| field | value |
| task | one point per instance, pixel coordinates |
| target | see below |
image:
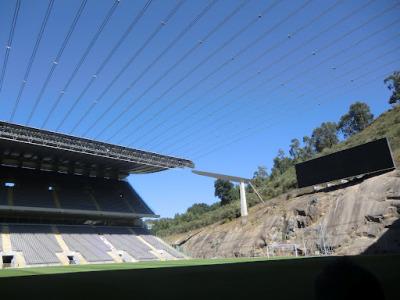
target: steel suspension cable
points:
(349, 48)
(350, 59)
(9, 42)
(301, 74)
(82, 60)
(187, 54)
(331, 43)
(238, 71)
(105, 62)
(32, 58)
(239, 138)
(145, 70)
(357, 55)
(245, 66)
(226, 63)
(56, 60)
(133, 24)
(334, 88)
(217, 50)
(258, 116)
(149, 105)
(229, 113)
(137, 53)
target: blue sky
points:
(226, 94)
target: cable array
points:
(32, 58)
(271, 78)
(203, 61)
(285, 109)
(246, 134)
(135, 56)
(218, 69)
(82, 60)
(196, 94)
(9, 42)
(225, 79)
(248, 79)
(104, 63)
(263, 114)
(148, 67)
(301, 100)
(56, 60)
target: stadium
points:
(213, 149)
(61, 196)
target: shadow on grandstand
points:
(70, 228)
(29, 229)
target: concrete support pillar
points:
(243, 202)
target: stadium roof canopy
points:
(33, 148)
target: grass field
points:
(126, 266)
(208, 279)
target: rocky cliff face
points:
(361, 216)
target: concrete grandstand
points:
(65, 200)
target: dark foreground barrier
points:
(361, 277)
(367, 158)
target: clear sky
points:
(224, 83)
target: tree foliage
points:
(356, 120)
(224, 190)
(308, 150)
(295, 150)
(324, 136)
(393, 84)
(281, 164)
(198, 209)
(260, 176)
(261, 172)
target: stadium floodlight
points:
(242, 181)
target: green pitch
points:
(239, 278)
(126, 266)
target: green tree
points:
(261, 172)
(224, 190)
(356, 120)
(198, 209)
(281, 164)
(260, 176)
(295, 150)
(324, 136)
(393, 84)
(308, 149)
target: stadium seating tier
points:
(59, 191)
(39, 245)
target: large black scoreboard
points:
(363, 159)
